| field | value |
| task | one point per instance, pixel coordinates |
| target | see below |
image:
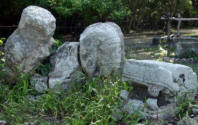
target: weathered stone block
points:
(29, 44)
(101, 49)
(65, 66)
(169, 79)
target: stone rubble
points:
(39, 83)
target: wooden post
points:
(168, 29)
(178, 26)
(168, 33)
(179, 19)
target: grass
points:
(152, 52)
(92, 102)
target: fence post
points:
(168, 33)
(178, 26)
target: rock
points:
(166, 59)
(187, 121)
(124, 95)
(65, 66)
(33, 98)
(154, 90)
(190, 60)
(39, 83)
(177, 60)
(118, 29)
(152, 104)
(37, 24)
(195, 111)
(29, 123)
(29, 44)
(159, 113)
(3, 122)
(164, 112)
(183, 60)
(186, 48)
(133, 106)
(169, 79)
(102, 49)
(117, 115)
(196, 119)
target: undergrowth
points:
(92, 102)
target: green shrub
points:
(189, 54)
(2, 41)
(183, 106)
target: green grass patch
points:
(92, 102)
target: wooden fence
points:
(179, 20)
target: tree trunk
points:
(195, 5)
(134, 20)
(172, 4)
(129, 24)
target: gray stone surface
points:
(2, 122)
(37, 24)
(161, 113)
(29, 44)
(65, 66)
(133, 105)
(195, 111)
(39, 83)
(101, 49)
(187, 121)
(160, 77)
(164, 112)
(124, 94)
(152, 104)
(121, 35)
(186, 47)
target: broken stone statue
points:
(29, 44)
(102, 49)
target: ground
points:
(139, 46)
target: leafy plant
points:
(55, 46)
(44, 69)
(189, 54)
(183, 106)
(92, 102)
(2, 41)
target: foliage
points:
(2, 41)
(183, 107)
(92, 102)
(189, 54)
(44, 69)
(55, 46)
(127, 13)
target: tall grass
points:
(92, 102)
